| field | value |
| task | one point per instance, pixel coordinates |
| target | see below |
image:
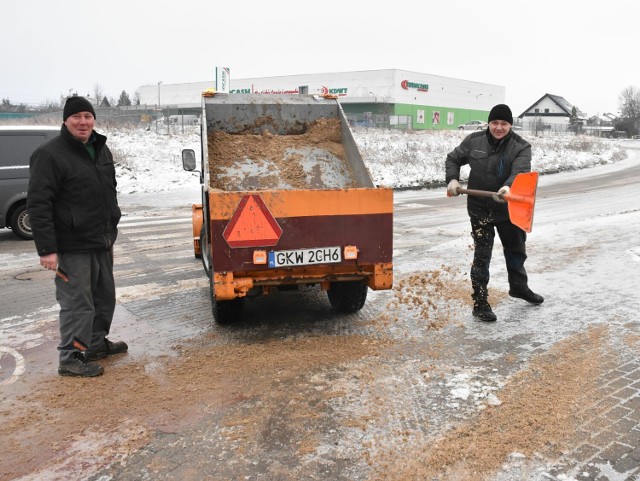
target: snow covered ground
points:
(150, 161)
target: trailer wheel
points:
(226, 312)
(348, 296)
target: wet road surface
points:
(411, 387)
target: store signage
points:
(223, 75)
(323, 90)
(333, 91)
(276, 91)
(414, 85)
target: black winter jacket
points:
(493, 164)
(72, 201)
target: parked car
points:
(185, 119)
(17, 143)
(473, 125)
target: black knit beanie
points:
(76, 104)
(501, 112)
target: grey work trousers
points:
(86, 292)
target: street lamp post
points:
(159, 107)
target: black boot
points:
(80, 366)
(528, 295)
(108, 348)
(482, 310)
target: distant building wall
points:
(432, 101)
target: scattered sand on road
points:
(38, 429)
(540, 411)
(116, 414)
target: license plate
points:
(304, 257)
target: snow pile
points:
(416, 159)
(150, 161)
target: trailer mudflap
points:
(382, 277)
(197, 221)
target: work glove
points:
(452, 188)
(498, 196)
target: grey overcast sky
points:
(585, 51)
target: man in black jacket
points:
(495, 156)
(74, 215)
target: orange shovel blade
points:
(522, 200)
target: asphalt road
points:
(297, 391)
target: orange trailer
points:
(287, 202)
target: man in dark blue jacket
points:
(74, 215)
(495, 156)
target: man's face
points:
(80, 125)
(499, 128)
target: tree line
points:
(96, 97)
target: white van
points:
(185, 119)
(17, 143)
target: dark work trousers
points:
(514, 247)
(85, 290)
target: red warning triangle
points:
(252, 225)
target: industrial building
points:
(381, 98)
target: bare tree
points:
(537, 126)
(98, 93)
(629, 103)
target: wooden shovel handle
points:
(477, 193)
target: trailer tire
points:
(228, 312)
(225, 312)
(348, 296)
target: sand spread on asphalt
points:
(116, 414)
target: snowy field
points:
(150, 161)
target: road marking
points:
(168, 220)
(19, 369)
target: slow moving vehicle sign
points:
(252, 225)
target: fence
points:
(168, 119)
(380, 121)
(113, 116)
(171, 119)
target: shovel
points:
(521, 199)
